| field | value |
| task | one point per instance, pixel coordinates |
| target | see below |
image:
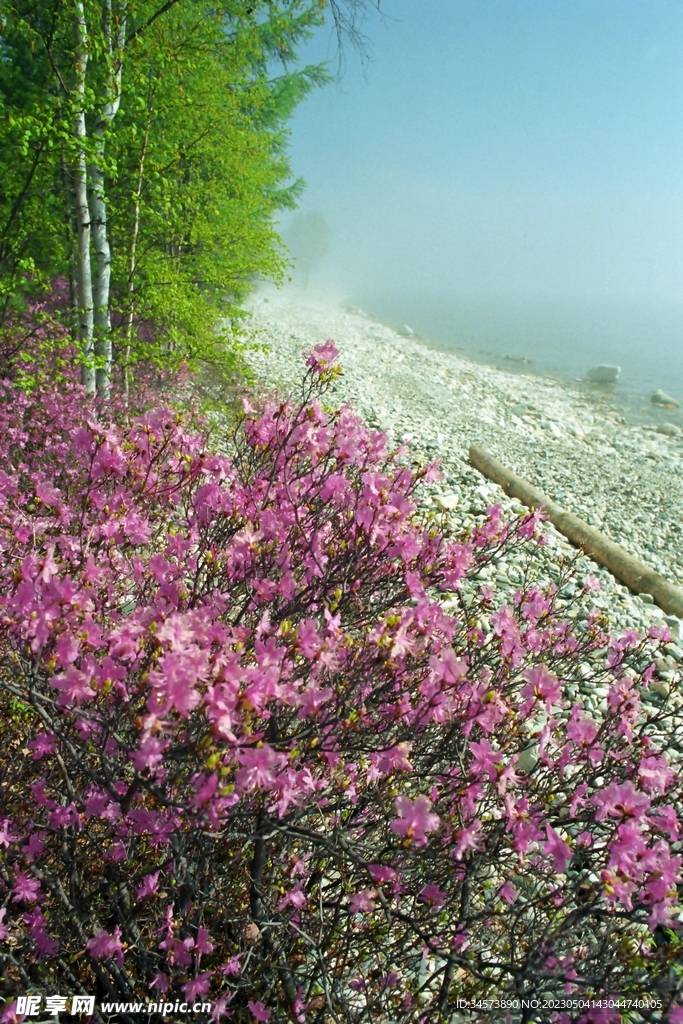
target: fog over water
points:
(507, 176)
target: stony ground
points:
(569, 441)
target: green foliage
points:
(194, 161)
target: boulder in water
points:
(661, 398)
(405, 331)
(604, 374)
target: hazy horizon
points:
(502, 149)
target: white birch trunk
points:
(131, 266)
(83, 265)
(98, 203)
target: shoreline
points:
(627, 396)
(624, 479)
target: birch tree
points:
(143, 156)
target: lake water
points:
(558, 339)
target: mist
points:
(518, 156)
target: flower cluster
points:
(250, 757)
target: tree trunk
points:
(132, 264)
(71, 234)
(83, 266)
(98, 204)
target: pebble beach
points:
(625, 479)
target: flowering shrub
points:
(249, 758)
(36, 348)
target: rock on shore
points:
(625, 480)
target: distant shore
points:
(567, 440)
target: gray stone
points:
(670, 429)
(405, 331)
(528, 759)
(661, 398)
(604, 374)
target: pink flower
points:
(44, 743)
(258, 1010)
(202, 943)
(415, 819)
(486, 759)
(468, 839)
(176, 677)
(676, 1014)
(626, 847)
(27, 889)
(393, 760)
(663, 913)
(433, 895)
(581, 729)
(508, 892)
(6, 836)
(74, 686)
(310, 640)
(232, 966)
(150, 885)
(295, 897)
(558, 849)
(621, 801)
(198, 986)
(541, 684)
(380, 873)
(259, 763)
(655, 774)
(149, 754)
(103, 946)
(363, 902)
(35, 846)
(320, 358)
(666, 819)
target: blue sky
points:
(503, 147)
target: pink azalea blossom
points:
(198, 986)
(26, 889)
(469, 838)
(104, 946)
(558, 849)
(392, 760)
(149, 886)
(433, 895)
(232, 966)
(380, 873)
(259, 767)
(295, 898)
(363, 902)
(486, 759)
(6, 836)
(150, 753)
(508, 892)
(322, 356)
(621, 801)
(44, 743)
(541, 684)
(415, 819)
(258, 1010)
